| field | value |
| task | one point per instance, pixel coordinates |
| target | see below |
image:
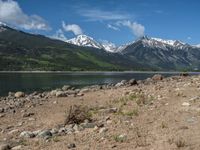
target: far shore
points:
(161, 72)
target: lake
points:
(29, 82)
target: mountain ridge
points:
(27, 52)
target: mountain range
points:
(25, 51)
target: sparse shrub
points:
(141, 100)
(77, 114)
(163, 125)
(120, 138)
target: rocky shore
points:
(156, 113)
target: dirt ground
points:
(161, 115)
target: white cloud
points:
(100, 15)
(112, 27)
(59, 35)
(11, 13)
(137, 29)
(72, 28)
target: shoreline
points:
(153, 72)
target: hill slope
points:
(23, 51)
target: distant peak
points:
(2, 24)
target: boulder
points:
(19, 94)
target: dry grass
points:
(77, 114)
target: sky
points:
(116, 21)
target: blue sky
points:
(117, 21)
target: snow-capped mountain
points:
(198, 45)
(2, 27)
(108, 46)
(84, 40)
(161, 43)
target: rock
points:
(53, 92)
(85, 90)
(61, 94)
(124, 82)
(103, 130)
(27, 114)
(27, 134)
(70, 92)
(80, 94)
(118, 84)
(11, 94)
(132, 82)
(71, 145)
(5, 147)
(184, 74)
(78, 128)
(19, 147)
(66, 87)
(157, 77)
(2, 110)
(109, 110)
(13, 131)
(87, 125)
(44, 134)
(185, 104)
(19, 94)
(54, 131)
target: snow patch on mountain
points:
(84, 40)
(2, 27)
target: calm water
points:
(29, 82)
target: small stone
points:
(80, 94)
(71, 145)
(5, 147)
(19, 147)
(55, 102)
(66, 87)
(87, 125)
(44, 134)
(84, 90)
(103, 130)
(60, 94)
(132, 82)
(13, 132)
(157, 77)
(27, 134)
(54, 131)
(27, 114)
(185, 104)
(19, 94)
(2, 110)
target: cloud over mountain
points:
(11, 13)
